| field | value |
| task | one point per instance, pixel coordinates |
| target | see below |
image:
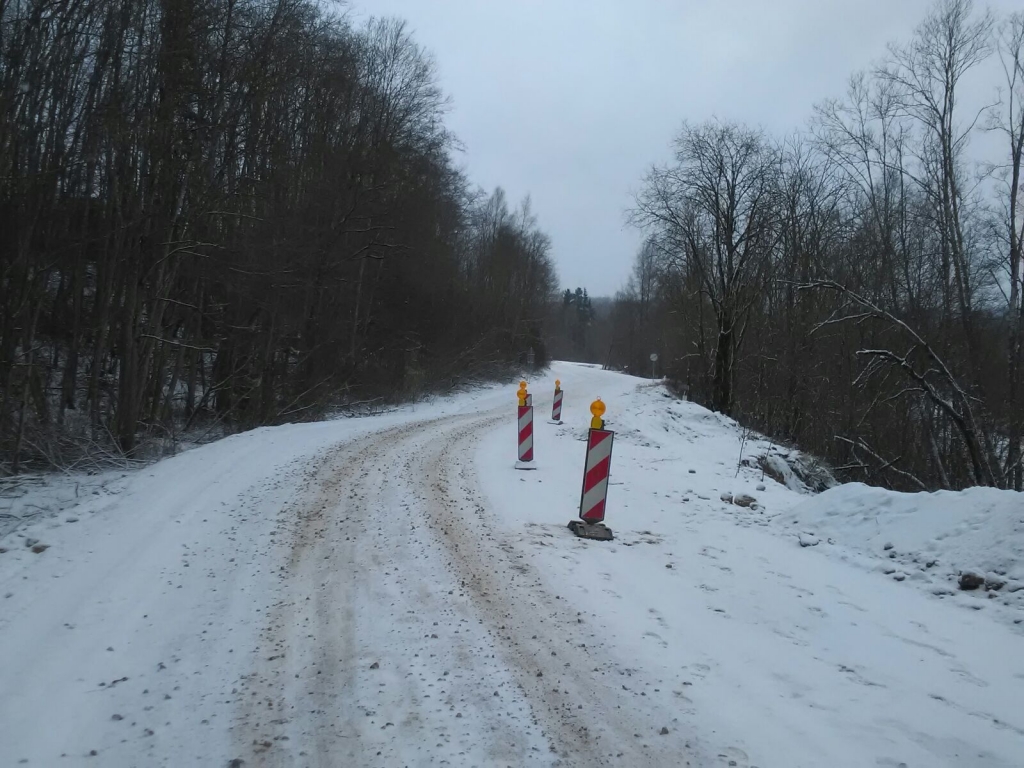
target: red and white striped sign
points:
(556, 406)
(526, 433)
(595, 476)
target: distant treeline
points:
(854, 288)
(237, 212)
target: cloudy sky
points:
(570, 101)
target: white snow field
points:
(389, 591)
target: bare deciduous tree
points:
(869, 294)
(714, 212)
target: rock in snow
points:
(970, 580)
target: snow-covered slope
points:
(933, 540)
(390, 591)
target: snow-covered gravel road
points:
(410, 630)
(390, 592)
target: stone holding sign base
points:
(598, 531)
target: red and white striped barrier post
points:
(525, 412)
(595, 475)
(556, 404)
(595, 479)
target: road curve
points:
(409, 628)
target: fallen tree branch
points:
(885, 465)
(957, 408)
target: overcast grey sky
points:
(571, 101)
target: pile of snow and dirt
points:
(966, 545)
(797, 471)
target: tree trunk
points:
(724, 352)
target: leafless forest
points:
(216, 214)
(853, 288)
(226, 213)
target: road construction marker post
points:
(595, 479)
(556, 404)
(525, 428)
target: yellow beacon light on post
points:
(558, 385)
(597, 408)
(522, 393)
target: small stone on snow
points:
(970, 580)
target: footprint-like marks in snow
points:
(855, 676)
(658, 618)
(656, 636)
(734, 756)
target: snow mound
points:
(930, 538)
(797, 471)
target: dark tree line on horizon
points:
(236, 212)
(853, 289)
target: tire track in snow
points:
(344, 604)
(409, 630)
(537, 632)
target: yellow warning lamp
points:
(558, 385)
(597, 408)
(522, 393)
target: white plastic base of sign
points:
(556, 423)
(525, 465)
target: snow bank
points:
(929, 538)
